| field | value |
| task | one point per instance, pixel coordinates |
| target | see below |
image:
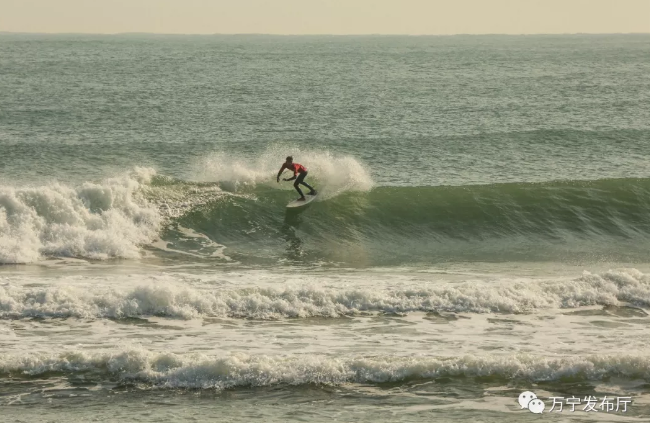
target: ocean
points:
(482, 228)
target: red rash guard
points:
(297, 168)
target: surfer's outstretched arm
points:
(284, 166)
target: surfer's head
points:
(289, 159)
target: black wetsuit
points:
(300, 180)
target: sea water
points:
(482, 228)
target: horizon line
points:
(319, 34)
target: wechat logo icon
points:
(530, 401)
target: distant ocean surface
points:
(482, 227)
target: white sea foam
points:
(95, 221)
(175, 298)
(169, 370)
(331, 174)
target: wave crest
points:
(171, 299)
(197, 371)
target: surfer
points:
(299, 174)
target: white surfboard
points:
(296, 203)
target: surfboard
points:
(296, 203)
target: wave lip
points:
(169, 299)
(196, 371)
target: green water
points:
(416, 110)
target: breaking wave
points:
(178, 300)
(95, 221)
(240, 210)
(197, 371)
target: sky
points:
(416, 17)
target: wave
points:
(116, 217)
(95, 220)
(596, 220)
(196, 371)
(238, 212)
(174, 300)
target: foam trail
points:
(95, 221)
(177, 300)
(169, 370)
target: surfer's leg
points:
(297, 187)
(312, 191)
(301, 180)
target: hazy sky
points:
(326, 16)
